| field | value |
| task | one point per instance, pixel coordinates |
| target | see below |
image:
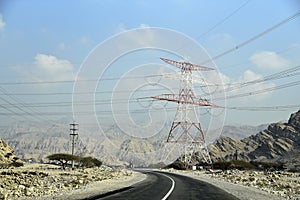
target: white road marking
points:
(172, 188)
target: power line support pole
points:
(186, 129)
(74, 138)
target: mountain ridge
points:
(114, 147)
(276, 143)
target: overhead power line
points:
(142, 111)
(77, 80)
(259, 91)
(224, 20)
(266, 108)
(229, 87)
(285, 73)
(292, 17)
(20, 105)
(279, 75)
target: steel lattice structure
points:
(186, 128)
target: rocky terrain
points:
(241, 132)
(7, 156)
(42, 181)
(280, 142)
(283, 184)
(31, 142)
(251, 185)
(47, 181)
(35, 141)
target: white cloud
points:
(144, 26)
(121, 27)
(248, 76)
(269, 60)
(50, 68)
(215, 77)
(243, 86)
(2, 23)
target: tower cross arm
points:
(185, 99)
(186, 65)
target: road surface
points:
(163, 186)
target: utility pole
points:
(74, 138)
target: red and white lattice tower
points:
(186, 129)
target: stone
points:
(22, 187)
(18, 183)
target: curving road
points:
(162, 186)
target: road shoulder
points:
(96, 188)
(239, 191)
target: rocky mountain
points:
(241, 132)
(7, 155)
(280, 142)
(31, 142)
(35, 141)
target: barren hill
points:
(280, 142)
(7, 156)
(36, 141)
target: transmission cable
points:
(253, 38)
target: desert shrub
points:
(268, 165)
(224, 165)
(17, 164)
(13, 164)
(233, 164)
(294, 170)
(240, 164)
(97, 162)
(157, 165)
(89, 162)
(177, 165)
(64, 159)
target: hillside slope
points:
(7, 156)
(280, 142)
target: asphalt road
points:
(162, 186)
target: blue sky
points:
(49, 40)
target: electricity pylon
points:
(186, 129)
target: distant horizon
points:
(68, 122)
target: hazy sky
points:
(44, 43)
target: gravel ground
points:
(240, 191)
(35, 182)
(43, 182)
(97, 188)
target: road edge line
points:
(172, 188)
